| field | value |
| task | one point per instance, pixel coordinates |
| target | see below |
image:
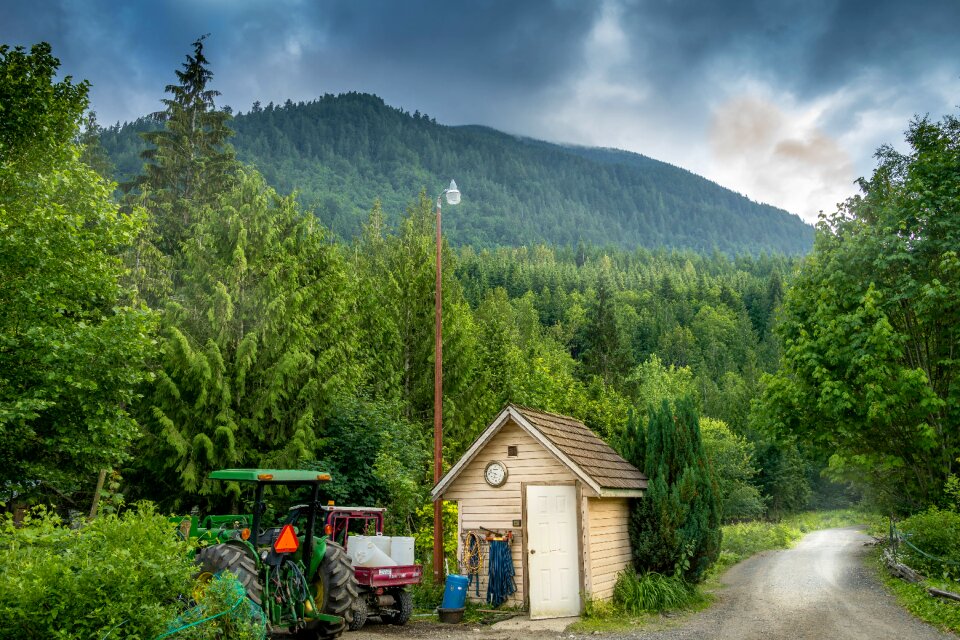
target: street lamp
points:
(452, 194)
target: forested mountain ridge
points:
(343, 152)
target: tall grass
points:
(650, 592)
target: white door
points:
(553, 551)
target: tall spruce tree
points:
(675, 527)
(190, 161)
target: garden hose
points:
(500, 584)
(471, 560)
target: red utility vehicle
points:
(383, 590)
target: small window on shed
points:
(512, 451)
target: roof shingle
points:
(594, 456)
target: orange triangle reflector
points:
(287, 541)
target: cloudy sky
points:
(784, 101)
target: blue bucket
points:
(455, 593)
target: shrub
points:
(651, 592)
(935, 532)
(675, 528)
(116, 577)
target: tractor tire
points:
(230, 557)
(360, 613)
(334, 592)
(404, 608)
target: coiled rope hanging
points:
(500, 584)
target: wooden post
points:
(438, 421)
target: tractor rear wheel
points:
(231, 557)
(334, 591)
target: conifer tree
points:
(257, 345)
(190, 161)
(675, 527)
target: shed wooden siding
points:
(609, 543)
(481, 505)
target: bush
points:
(675, 528)
(116, 577)
(651, 592)
(937, 533)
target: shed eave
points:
(611, 492)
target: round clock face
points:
(495, 474)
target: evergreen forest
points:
(341, 153)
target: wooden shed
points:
(562, 491)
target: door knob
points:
(532, 551)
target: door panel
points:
(553, 551)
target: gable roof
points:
(590, 459)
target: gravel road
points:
(818, 589)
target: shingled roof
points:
(576, 446)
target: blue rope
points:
(500, 583)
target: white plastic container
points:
(383, 543)
(365, 553)
(402, 550)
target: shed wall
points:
(481, 505)
(609, 543)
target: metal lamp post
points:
(452, 194)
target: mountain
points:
(342, 152)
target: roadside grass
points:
(914, 598)
(740, 541)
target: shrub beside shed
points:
(562, 492)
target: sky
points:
(784, 101)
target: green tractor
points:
(303, 582)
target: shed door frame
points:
(581, 543)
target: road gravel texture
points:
(818, 589)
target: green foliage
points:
(943, 614)
(934, 532)
(675, 527)
(732, 460)
(652, 592)
(870, 325)
(376, 458)
(224, 611)
(347, 151)
(72, 344)
(256, 344)
(744, 539)
(117, 574)
(38, 115)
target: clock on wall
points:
(495, 474)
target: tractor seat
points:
(268, 536)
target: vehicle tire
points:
(236, 559)
(404, 608)
(360, 613)
(334, 592)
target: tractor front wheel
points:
(334, 591)
(230, 557)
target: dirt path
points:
(818, 589)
